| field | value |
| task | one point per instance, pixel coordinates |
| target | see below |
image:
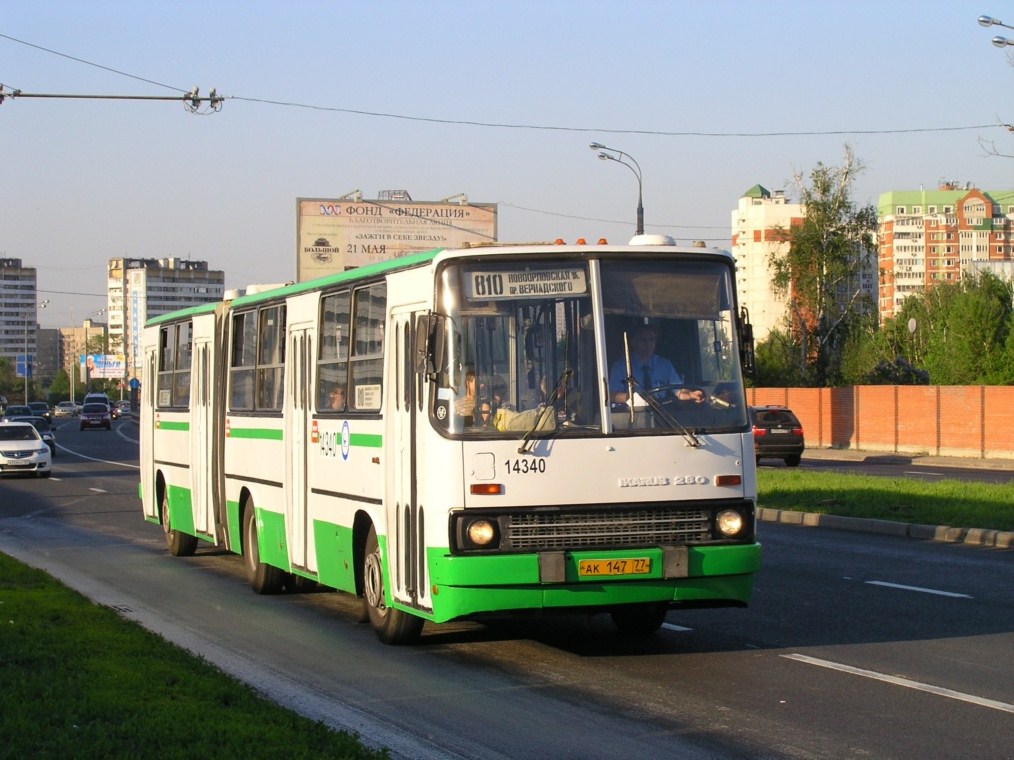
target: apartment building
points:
(18, 309)
(927, 237)
(759, 225)
(139, 289)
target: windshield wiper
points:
(550, 406)
(667, 418)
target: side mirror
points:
(429, 348)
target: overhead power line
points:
(192, 101)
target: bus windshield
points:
(622, 345)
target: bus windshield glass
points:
(624, 345)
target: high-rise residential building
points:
(139, 289)
(759, 226)
(18, 309)
(932, 236)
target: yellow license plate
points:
(590, 568)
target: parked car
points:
(18, 410)
(66, 409)
(95, 414)
(46, 431)
(41, 409)
(777, 433)
(22, 450)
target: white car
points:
(23, 450)
(66, 409)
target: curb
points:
(983, 537)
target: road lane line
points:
(677, 628)
(919, 589)
(103, 461)
(909, 684)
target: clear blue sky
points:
(86, 180)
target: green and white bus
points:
(442, 435)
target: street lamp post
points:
(87, 324)
(28, 372)
(606, 153)
(989, 21)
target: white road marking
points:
(919, 589)
(909, 684)
(94, 459)
(98, 490)
(677, 628)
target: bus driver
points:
(649, 369)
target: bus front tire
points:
(263, 578)
(179, 544)
(392, 626)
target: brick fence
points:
(938, 420)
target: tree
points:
(967, 331)
(822, 271)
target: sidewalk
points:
(884, 457)
(982, 537)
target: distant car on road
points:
(777, 433)
(22, 450)
(123, 406)
(18, 410)
(95, 414)
(66, 409)
(41, 409)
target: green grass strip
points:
(79, 681)
(956, 503)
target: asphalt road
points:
(855, 645)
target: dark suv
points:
(777, 433)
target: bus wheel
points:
(264, 579)
(639, 619)
(392, 626)
(180, 544)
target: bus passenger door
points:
(200, 438)
(406, 536)
(298, 393)
(149, 382)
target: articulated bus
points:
(462, 433)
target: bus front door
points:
(406, 534)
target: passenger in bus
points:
(649, 369)
(336, 399)
(465, 405)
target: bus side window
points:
(332, 361)
(367, 360)
(242, 361)
(270, 357)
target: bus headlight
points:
(729, 522)
(481, 532)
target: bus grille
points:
(546, 530)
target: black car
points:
(95, 415)
(777, 433)
(41, 409)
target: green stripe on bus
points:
(366, 440)
(263, 434)
(180, 427)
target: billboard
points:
(99, 366)
(335, 235)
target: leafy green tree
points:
(821, 273)
(775, 361)
(968, 329)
